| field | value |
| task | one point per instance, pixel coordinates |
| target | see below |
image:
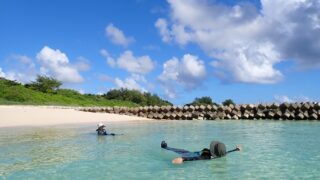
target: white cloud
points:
(140, 65)
(100, 93)
(22, 69)
(170, 92)
(129, 83)
(188, 72)
(136, 66)
(139, 77)
(56, 63)
(81, 91)
(134, 81)
(108, 58)
(25, 60)
(2, 74)
(117, 37)
(82, 64)
(18, 76)
(129, 62)
(162, 25)
(247, 42)
(250, 66)
(283, 98)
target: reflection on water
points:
(271, 150)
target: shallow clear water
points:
(271, 150)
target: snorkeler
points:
(102, 131)
(217, 150)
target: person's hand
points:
(178, 160)
(238, 147)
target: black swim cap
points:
(217, 149)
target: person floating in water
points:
(102, 131)
(217, 150)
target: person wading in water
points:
(102, 131)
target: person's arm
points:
(238, 148)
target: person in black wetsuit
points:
(217, 150)
(102, 131)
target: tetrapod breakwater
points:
(273, 111)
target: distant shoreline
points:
(37, 116)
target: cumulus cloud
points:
(129, 83)
(117, 37)
(245, 42)
(139, 77)
(139, 65)
(108, 57)
(21, 68)
(18, 76)
(129, 62)
(56, 63)
(188, 72)
(162, 25)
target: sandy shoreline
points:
(11, 116)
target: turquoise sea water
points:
(271, 150)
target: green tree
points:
(205, 100)
(227, 102)
(153, 99)
(45, 84)
(143, 99)
(9, 82)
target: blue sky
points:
(249, 51)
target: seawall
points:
(274, 111)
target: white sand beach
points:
(11, 116)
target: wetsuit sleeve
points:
(192, 158)
(176, 150)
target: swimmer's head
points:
(205, 153)
(101, 125)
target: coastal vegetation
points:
(143, 99)
(228, 102)
(205, 100)
(47, 91)
(45, 84)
